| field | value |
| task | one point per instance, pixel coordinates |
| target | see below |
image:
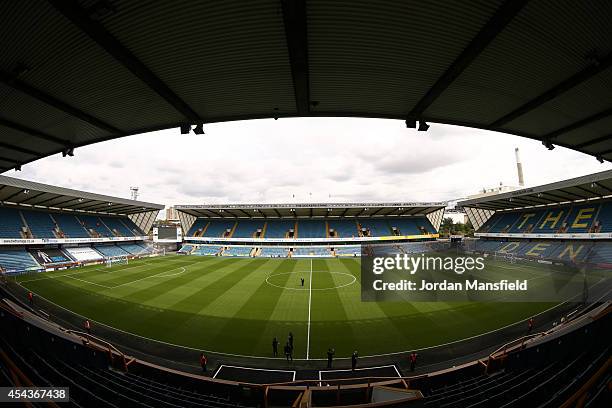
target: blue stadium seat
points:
(377, 227)
(70, 226)
(604, 217)
(134, 249)
(217, 228)
(10, 223)
(111, 251)
(347, 250)
(17, 260)
(566, 251)
(95, 223)
(527, 221)
(273, 252)
(115, 224)
(247, 228)
(577, 218)
(186, 249)
(198, 224)
(344, 228)
(278, 228)
(539, 249)
(552, 220)
(41, 224)
(132, 226)
(601, 253)
(311, 251)
(411, 226)
(207, 250)
(311, 229)
(502, 222)
(238, 251)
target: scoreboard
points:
(167, 233)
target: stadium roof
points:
(74, 73)
(310, 210)
(592, 186)
(23, 192)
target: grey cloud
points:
(335, 159)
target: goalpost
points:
(510, 257)
(118, 260)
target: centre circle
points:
(346, 279)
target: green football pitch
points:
(237, 305)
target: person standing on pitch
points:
(203, 362)
(31, 299)
(288, 352)
(529, 325)
(330, 357)
(291, 340)
(87, 326)
(413, 359)
(354, 360)
(302, 279)
(275, 347)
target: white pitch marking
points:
(52, 276)
(357, 369)
(254, 369)
(354, 279)
(160, 275)
(309, 307)
(91, 283)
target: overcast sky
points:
(307, 160)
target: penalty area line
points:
(88, 282)
(291, 372)
(157, 275)
(321, 372)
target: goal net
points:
(119, 260)
(504, 256)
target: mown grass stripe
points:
(258, 308)
(187, 309)
(164, 292)
(328, 317)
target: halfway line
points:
(309, 303)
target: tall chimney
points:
(519, 167)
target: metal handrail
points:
(515, 342)
(97, 339)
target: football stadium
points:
(361, 303)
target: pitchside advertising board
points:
(167, 233)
